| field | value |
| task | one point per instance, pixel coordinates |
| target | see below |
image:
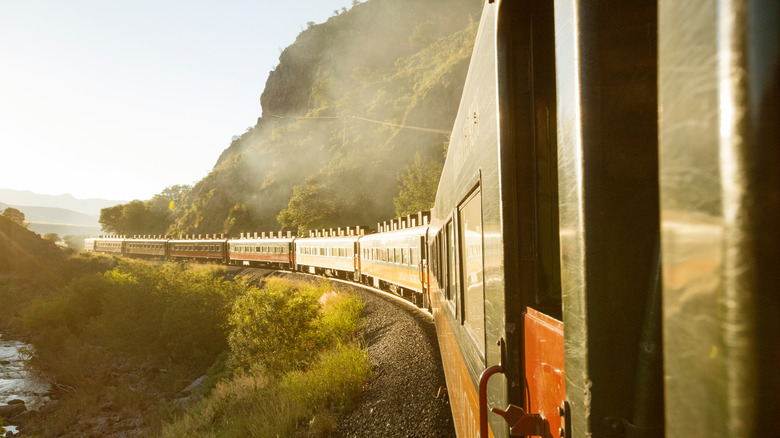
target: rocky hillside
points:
(339, 131)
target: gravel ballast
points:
(400, 400)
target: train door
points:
(423, 272)
(356, 260)
(527, 102)
(607, 86)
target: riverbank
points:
(20, 390)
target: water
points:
(16, 382)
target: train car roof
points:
(326, 240)
(259, 241)
(401, 233)
(198, 240)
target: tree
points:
(170, 194)
(311, 204)
(423, 34)
(417, 190)
(15, 215)
(111, 219)
(238, 220)
(52, 237)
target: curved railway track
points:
(401, 399)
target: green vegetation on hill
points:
(336, 144)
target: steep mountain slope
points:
(339, 124)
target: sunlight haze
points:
(120, 99)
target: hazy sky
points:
(118, 99)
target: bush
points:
(295, 361)
(275, 326)
(160, 313)
(251, 405)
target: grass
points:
(250, 404)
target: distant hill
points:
(64, 222)
(27, 198)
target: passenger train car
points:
(328, 254)
(603, 255)
(266, 252)
(395, 259)
(203, 250)
(604, 241)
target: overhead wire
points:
(416, 128)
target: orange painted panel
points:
(402, 275)
(464, 400)
(544, 367)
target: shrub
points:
(275, 326)
(251, 405)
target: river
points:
(16, 382)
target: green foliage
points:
(28, 258)
(15, 215)
(52, 237)
(275, 327)
(251, 405)
(418, 186)
(166, 314)
(312, 202)
(143, 217)
(272, 399)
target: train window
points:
(341, 252)
(470, 233)
(451, 278)
(413, 256)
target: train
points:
(603, 254)
(392, 259)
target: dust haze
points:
(335, 132)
